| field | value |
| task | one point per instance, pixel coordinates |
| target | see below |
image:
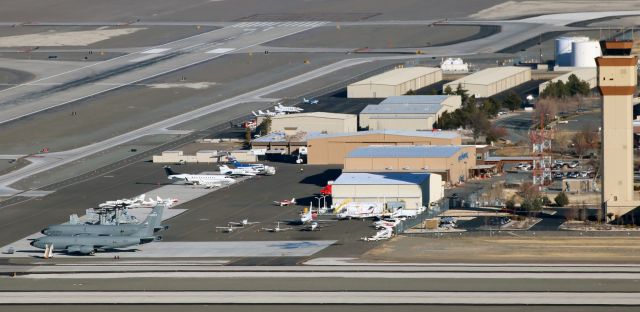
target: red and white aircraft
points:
(285, 202)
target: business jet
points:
(383, 234)
(286, 202)
(287, 109)
(224, 169)
(208, 180)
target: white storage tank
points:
(584, 53)
(563, 48)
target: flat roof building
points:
(589, 75)
(324, 149)
(491, 81)
(452, 162)
(313, 122)
(408, 112)
(415, 190)
(394, 82)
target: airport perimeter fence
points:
(430, 212)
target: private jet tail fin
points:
(254, 113)
(169, 171)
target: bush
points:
(561, 199)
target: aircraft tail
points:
(169, 171)
(254, 113)
(152, 221)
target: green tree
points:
(247, 136)
(448, 91)
(561, 199)
(575, 86)
(410, 92)
(264, 127)
(479, 124)
(490, 106)
(512, 101)
(433, 91)
(464, 95)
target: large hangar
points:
(313, 122)
(414, 189)
(452, 162)
(589, 75)
(491, 81)
(327, 149)
(394, 82)
(408, 112)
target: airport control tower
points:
(617, 80)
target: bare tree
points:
(547, 109)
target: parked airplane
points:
(361, 211)
(107, 229)
(383, 234)
(386, 223)
(276, 229)
(244, 171)
(310, 101)
(288, 109)
(243, 223)
(260, 168)
(136, 202)
(208, 180)
(285, 202)
(229, 228)
(266, 114)
(87, 244)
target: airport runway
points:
(504, 285)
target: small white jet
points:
(243, 223)
(287, 109)
(276, 229)
(383, 234)
(208, 180)
(244, 171)
(381, 224)
(265, 114)
(310, 101)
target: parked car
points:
(574, 163)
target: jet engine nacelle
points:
(84, 250)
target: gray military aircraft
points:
(88, 244)
(104, 229)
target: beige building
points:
(408, 112)
(313, 122)
(491, 81)
(589, 75)
(324, 149)
(394, 82)
(617, 81)
(415, 190)
(452, 162)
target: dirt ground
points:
(512, 9)
(509, 250)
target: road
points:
(517, 125)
